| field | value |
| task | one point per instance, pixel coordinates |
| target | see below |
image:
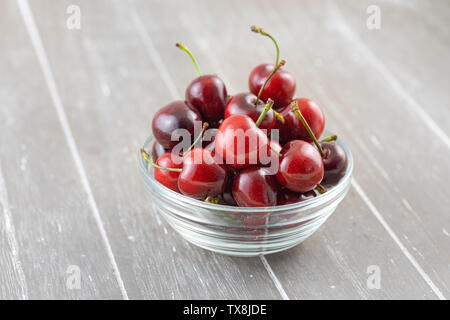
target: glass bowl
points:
(242, 231)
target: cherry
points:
(157, 150)
(175, 115)
(335, 162)
(167, 169)
(244, 103)
(252, 106)
(255, 187)
(207, 93)
(286, 196)
(240, 142)
(293, 128)
(301, 167)
(202, 176)
(280, 88)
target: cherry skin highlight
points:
(255, 187)
(335, 163)
(280, 88)
(240, 143)
(175, 115)
(244, 103)
(208, 95)
(301, 167)
(202, 176)
(293, 128)
(167, 178)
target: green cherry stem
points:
(205, 126)
(331, 138)
(297, 112)
(277, 66)
(185, 49)
(147, 158)
(267, 107)
(264, 33)
(320, 189)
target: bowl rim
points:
(310, 203)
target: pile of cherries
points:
(226, 174)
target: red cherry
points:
(175, 115)
(207, 93)
(240, 143)
(157, 150)
(293, 128)
(255, 187)
(244, 103)
(287, 196)
(168, 178)
(280, 88)
(335, 163)
(301, 167)
(202, 176)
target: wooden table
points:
(76, 104)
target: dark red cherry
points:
(335, 163)
(280, 88)
(202, 176)
(166, 177)
(175, 115)
(286, 196)
(240, 143)
(157, 150)
(208, 95)
(244, 103)
(255, 187)
(293, 129)
(301, 167)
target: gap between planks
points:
(36, 41)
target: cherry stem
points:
(331, 138)
(267, 107)
(147, 158)
(320, 189)
(185, 49)
(279, 117)
(210, 199)
(297, 112)
(264, 33)
(205, 126)
(277, 66)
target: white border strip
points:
(11, 237)
(33, 32)
(405, 251)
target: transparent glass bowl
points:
(242, 231)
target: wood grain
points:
(110, 125)
(375, 86)
(45, 223)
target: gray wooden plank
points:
(375, 120)
(235, 52)
(412, 44)
(110, 96)
(41, 234)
